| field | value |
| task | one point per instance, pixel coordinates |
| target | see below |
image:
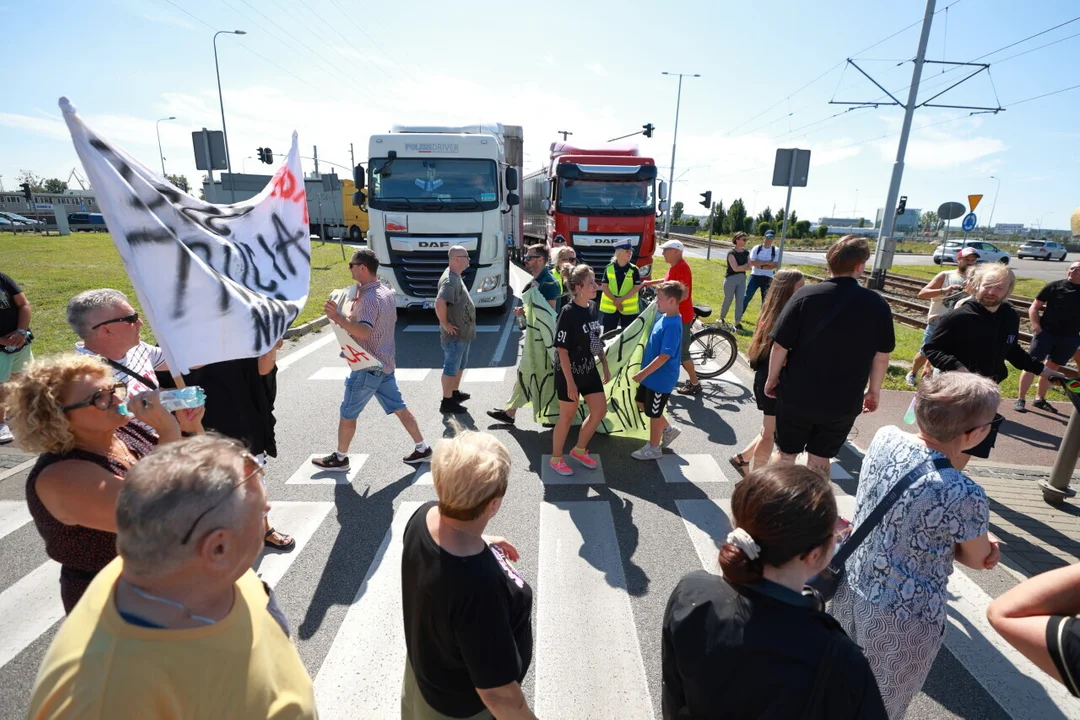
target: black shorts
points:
(652, 402)
(765, 404)
(796, 432)
(587, 384)
(982, 450)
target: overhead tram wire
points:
(253, 52)
(347, 41)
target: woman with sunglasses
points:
(893, 597)
(619, 287)
(68, 409)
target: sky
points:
(337, 71)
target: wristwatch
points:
(24, 333)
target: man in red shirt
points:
(679, 270)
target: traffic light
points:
(648, 128)
(902, 205)
(706, 198)
(26, 192)
(266, 155)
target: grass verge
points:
(51, 270)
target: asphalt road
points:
(602, 556)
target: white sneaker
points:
(5, 434)
(670, 434)
(647, 452)
(910, 379)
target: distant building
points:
(1008, 228)
(906, 223)
(840, 222)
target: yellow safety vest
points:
(630, 304)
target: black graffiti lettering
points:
(268, 288)
(183, 271)
(270, 319)
(273, 258)
(207, 252)
(154, 236)
(285, 241)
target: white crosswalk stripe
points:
(13, 515)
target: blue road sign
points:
(969, 222)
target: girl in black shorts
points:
(783, 286)
(577, 343)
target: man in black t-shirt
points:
(835, 338)
(1057, 333)
(15, 353)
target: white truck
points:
(434, 187)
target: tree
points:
(736, 218)
(778, 222)
(764, 216)
(718, 217)
(763, 227)
(822, 231)
(36, 181)
(748, 225)
(180, 181)
(54, 185)
(676, 211)
(802, 228)
(929, 221)
(862, 222)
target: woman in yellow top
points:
(619, 288)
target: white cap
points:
(969, 251)
(672, 245)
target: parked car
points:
(20, 220)
(1043, 250)
(87, 221)
(988, 252)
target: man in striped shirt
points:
(370, 319)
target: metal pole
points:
(209, 164)
(889, 220)
(674, 139)
(1057, 490)
(221, 102)
(990, 224)
(352, 155)
(161, 154)
(315, 155)
(787, 208)
(708, 253)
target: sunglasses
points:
(993, 423)
(102, 399)
(534, 257)
(258, 469)
(129, 319)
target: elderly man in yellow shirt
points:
(179, 626)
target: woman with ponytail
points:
(756, 643)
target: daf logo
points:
(606, 241)
(434, 243)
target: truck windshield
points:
(435, 185)
(606, 197)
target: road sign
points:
(973, 201)
(950, 210)
(969, 222)
(781, 174)
(209, 148)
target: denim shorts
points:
(455, 356)
(362, 385)
(930, 327)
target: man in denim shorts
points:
(370, 320)
(457, 329)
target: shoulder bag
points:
(828, 580)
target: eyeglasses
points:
(572, 260)
(102, 399)
(534, 257)
(226, 496)
(993, 422)
(129, 319)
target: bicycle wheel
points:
(713, 351)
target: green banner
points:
(535, 384)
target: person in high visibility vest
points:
(619, 288)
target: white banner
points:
(357, 357)
(216, 282)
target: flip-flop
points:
(289, 544)
(739, 464)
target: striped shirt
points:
(143, 359)
(376, 307)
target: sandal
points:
(288, 543)
(739, 463)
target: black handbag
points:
(828, 580)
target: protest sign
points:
(357, 357)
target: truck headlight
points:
(490, 283)
(645, 270)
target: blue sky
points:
(339, 70)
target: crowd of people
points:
(156, 517)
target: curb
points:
(310, 326)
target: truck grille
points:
(598, 257)
(418, 272)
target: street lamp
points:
(157, 128)
(221, 101)
(675, 137)
(990, 224)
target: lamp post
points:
(221, 101)
(675, 137)
(990, 223)
(157, 128)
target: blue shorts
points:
(1059, 348)
(455, 355)
(930, 327)
(362, 385)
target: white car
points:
(1043, 250)
(988, 252)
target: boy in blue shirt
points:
(660, 370)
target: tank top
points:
(741, 256)
(937, 303)
(82, 551)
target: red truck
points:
(595, 197)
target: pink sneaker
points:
(561, 467)
(583, 458)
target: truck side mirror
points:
(663, 206)
(359, 198)
(512, 199)
(511, 178)
(359, 177)
(546, 204)
(662, 192)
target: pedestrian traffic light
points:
(706, 200)
(902, 205)
(648, 128)
(26, 192)
(266, 155)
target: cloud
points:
(549, 59)
(53, 129)
(598, 69)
